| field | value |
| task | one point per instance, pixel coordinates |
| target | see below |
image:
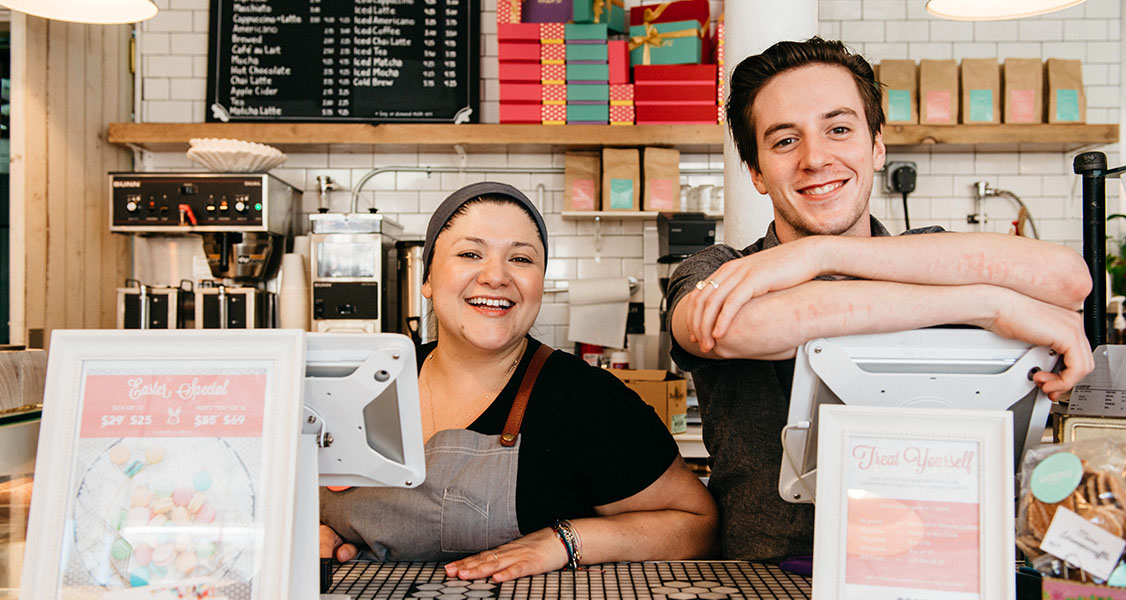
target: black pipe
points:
(1092, 167)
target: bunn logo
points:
(126, 183)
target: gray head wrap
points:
(456, 200)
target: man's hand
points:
(1022, 318)
(538, 552)
(718, 299)
(333, 546)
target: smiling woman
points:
(534, 460)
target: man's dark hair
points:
(751, 75)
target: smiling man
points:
(807, 121)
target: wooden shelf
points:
(364, 138)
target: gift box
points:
(721, 86)
(691, 83)
(610, 12)
(674, 73)
(509, 11)
(553, 94)
(586, 31)
(553, 33)
(518, 32)
(521, 92)
(553, 54)
(594, 72)
(621, 93)
(588, 114)
(545, 11)
(587, 52)
(588, 92)
(621, 114)
(674, 43)
(518, 51)
(519, 71)
(519, 113)
(617, 53)
(674, 112)
(553, 114)
(668, 12)
(553, 74)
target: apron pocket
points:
(465, 522)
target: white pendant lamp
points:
(103, 12)
(995, 10)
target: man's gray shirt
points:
(744, 405)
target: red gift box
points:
(674, 112)
(553, 114)
(521, 92)
(618, 53)
(553, 94)
(513, 32)
(519, 71)
(667, 12)
(553, 33)
(553, 54)
(694, 83)
(621, 114)
(512, 112)
(553, 74)
(518, 52)
(678, 73)
(509, 11)
(621, 92)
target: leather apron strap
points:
(520, 404)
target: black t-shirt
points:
(586, 439)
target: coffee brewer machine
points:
(204, 244)
(678, 236)
(353, 272)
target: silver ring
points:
(706, 282)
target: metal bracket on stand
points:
(1092, 167)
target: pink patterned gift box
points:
(621, 114)
(553, 114)
(553, 54)
(509, 11)
(552, 33)
(553, 74)
(554, 94)
(621, 93)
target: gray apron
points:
(467, 504)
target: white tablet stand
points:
(361, 427)
(925, 368)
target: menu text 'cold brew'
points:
(379, 61)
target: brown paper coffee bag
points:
(900, 90)
(981, 91)
(582, 181)
(1023, 82)
(621, 179)
(1067, 102)
(662, 179)
(938, 92)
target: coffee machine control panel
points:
(201, 202)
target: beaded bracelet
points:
(571, 541)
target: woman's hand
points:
(333, 546)
(538, 552)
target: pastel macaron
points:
(202, 481)
(138, 515)
(197, 501)
(162, 505)
(182, 495)
(139, 577)
(186, 562)
(154, 454)
(163, 555)
(120, 549)
(140, 496)
(142, 554)
(119, 454)
(205, 514)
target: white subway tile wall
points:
(174, 69)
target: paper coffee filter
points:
(234, 156)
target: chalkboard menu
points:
(379, 61)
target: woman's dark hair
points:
(751, 75)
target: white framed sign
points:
(913, 503)
(166, 465)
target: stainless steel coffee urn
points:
(223, 232)
(418, 320)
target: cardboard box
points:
(1023, 82)
(612, 13)
(981, 91)
(665, 392)
(901, 90)
(938, 92)
(676, 43)
(621, 179)
(1067, 101)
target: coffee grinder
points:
(223, 232)
(353, 272)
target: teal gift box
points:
(587, 51)
(675, 43)
(595, 32)
(588, 72)
(588, 92)
(610, 12)
(588, 113)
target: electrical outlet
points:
(890, 168)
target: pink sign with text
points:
(158, 405)
(913, 517)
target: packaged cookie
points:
(1071, 518)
